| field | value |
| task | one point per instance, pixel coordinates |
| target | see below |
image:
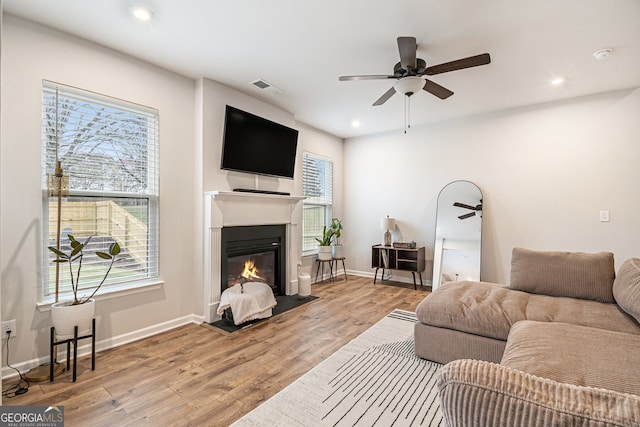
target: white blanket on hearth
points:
(255, 302)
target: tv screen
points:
(256, 145)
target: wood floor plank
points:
(193, 375)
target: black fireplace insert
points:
(254, 253)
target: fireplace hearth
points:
(254, 254)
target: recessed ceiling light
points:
(602, 54)
(355, 124)
(557, 81)
(142, 13)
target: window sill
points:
(307, 254)
(114, 292)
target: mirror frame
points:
(471, 198)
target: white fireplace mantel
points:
(231, 209)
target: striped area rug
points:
(375, 380)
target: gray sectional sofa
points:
(560, 345)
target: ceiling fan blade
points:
(407, 47)
(388, 94)
(366, 77)
(462, 205)
(437, 90)
(459, 64)
(465, 216)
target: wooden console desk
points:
(404, 259)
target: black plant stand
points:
(322, 262)
(73, 340)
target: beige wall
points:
(30, 54)
(191, 126)
(545, 171)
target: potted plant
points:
(324, 243)
(79, 311)
(337, 248)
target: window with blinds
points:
(317, 188)
(108, 148)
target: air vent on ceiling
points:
(265, 85)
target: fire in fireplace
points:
(259, 267)
(250, 271)
(254, 254)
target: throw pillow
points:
(564, 274)
(626, 287)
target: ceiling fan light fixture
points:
(409, 85)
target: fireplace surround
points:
(229, 210)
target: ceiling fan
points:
(409, 71)
(476, 208)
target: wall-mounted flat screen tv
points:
(256, 145)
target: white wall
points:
(322, 144)
(30, 54)
(545, 172)
(214, 96)
(191, 127)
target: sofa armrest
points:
(478, 393)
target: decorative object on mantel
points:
(337, 249)
(387, 224)
(324, 243)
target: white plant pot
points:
(337, 251)
(65, 316)
(324, 253)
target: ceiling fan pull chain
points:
(405, 115)
(409, 112)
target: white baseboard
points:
(106, 344)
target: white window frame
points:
(313, 200)
(145, 167)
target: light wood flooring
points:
(197, 376)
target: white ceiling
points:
(302, 47)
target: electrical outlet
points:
(9, 325)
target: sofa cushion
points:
(626, 287)
(490, 310)
(564, 274)
(475, 393)
(575, 354)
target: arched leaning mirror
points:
(458, 241)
